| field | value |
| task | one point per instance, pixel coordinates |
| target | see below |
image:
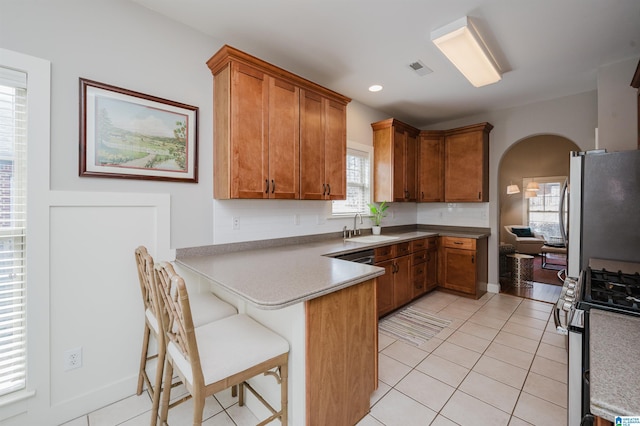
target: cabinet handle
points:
(273, 186)
(422, 195)
(328, 189)
(458, 243)
(266, 183)
(473, 259)
(324, 189)
(479, 195)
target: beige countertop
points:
(614, 363)
(273, 277)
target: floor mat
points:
(412, 325)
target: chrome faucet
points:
(356, 231)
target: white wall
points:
(617, 106)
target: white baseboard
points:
(493, 288)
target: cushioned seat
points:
(524, 239)
(206, 309)
(217, 355)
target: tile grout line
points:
(483, 353)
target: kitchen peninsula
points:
(325, 307)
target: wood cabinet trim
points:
(228, 54)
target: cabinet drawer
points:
(459, 243)
(417, 245)
(432, 243)
(419, 257)
(403, 248)
(384, 253)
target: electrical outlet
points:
(236, 223)
(72, 359)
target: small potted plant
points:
(377, 213)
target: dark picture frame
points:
(131, 135)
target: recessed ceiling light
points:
(375, 88)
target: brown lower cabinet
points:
(463, 266)
(599, 421)
(410, 271)
(341, 347)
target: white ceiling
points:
(546, 48)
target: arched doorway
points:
(539, 157)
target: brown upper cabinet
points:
(266, 131)
(466, 164)
(395, 165)
(323, 148)
(431, 166)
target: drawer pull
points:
(458, 243)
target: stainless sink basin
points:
(372, 239)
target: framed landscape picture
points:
(126, 134)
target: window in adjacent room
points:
(359, 160)
(543, 211)
(13, 212)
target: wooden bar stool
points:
(217, 355)
(206, 307)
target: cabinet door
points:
(399, 147)
(431, 168)
(402, 284)
(466, 167)
(284, 140)
(459, 270)
(384, 289)
(411, 168)
(312, 152)
(335, 147)
(431, 266)
(249, 125)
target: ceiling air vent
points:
(420, 68)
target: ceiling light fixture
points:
(375, 88)
(463, 46)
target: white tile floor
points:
(500, 362)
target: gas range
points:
(612, 286)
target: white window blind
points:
(544, 209)
(13, 213)
(358, 184)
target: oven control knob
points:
(571, 293)
(566, 306)
(571, 285)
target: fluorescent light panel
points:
(461, 44)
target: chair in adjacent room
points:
(217, 355)
(524, 239)
(206, 308)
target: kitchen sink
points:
(372, 239)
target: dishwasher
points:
(363, 256)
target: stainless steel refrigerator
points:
(604, 208)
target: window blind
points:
(358, 184)
(13, 212)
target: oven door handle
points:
(560, 328)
